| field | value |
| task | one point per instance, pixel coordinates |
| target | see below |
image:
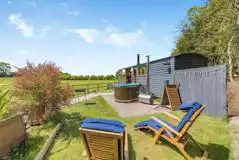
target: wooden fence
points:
(90, 88)
(207, 85)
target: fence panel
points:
(207, 85)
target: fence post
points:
(97, 87)
(87, 88)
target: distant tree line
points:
(68, 76)
(6, 70)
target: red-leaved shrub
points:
(38, 87)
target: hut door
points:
(133, 75)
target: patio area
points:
(134, 108)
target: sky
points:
(89, 36)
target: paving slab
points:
(134, 108)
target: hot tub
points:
(126, 92)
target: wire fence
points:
(92, 88)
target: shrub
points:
(39, 86)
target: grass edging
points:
(41, 154)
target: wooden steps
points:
(171, 97)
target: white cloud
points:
(104, 20)
(109, 36)
(124, 39)
(72, 13)
(43, 31)
(22, 52)
(69, 59)
(9, 2)
(69, 12)
(89, 35)
(144, 24)
(33, 3)
(64, 5)
(16, 19)
(111, 29)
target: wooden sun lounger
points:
(102, 145)
(181, 138)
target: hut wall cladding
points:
(206, 85)
(163, 69)
(159, 72)
(190, 60)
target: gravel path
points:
(233, 98)
(88, 97)
(234, 132)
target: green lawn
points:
(210, 132)
(5, 83)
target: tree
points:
(211, 30)
(110, 77)
(66, 76)
(5, 69)
(93, 77)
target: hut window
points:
(142, 71)
(169, 70)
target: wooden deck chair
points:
(176, 135)
(105, 145)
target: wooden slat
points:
(173, 96)
(101, 145)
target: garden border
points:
(41, 154)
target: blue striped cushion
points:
(103, 125)
(187, 106)
(187, 116)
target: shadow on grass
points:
(90, 103)
(132, 155)
(33, 146)
(70, 124)
(215, 151)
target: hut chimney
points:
(138, 59)
(148, 83)
(138, 63)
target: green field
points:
(87, 82)
(90, 85)
(7, 83)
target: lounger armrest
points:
(166, 126)
(172, 116)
